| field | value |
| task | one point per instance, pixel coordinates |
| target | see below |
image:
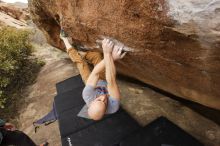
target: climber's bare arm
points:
(111, 76)
(94, 76)
(109, 54)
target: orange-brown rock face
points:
(176, 44)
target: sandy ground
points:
(142, 103)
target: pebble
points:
(210, 134)
(135, 90)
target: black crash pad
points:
(107, 132)
(78, 131)
(69, 84)
(160, 132)
(69, 99)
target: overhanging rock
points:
(176, 43)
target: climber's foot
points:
(63, 33)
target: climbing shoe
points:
(63, 33)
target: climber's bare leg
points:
(75, 57)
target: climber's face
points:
(102, 98)
(98, 107)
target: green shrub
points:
(16, 66)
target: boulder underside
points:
(180, 57)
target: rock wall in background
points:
(176, 43)
(14, 15)
(18, 11)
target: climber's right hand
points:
(107, 46)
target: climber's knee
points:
(93, 57)
(75, 56)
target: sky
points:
(12, 1)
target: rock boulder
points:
(175, 43)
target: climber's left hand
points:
(117, 52)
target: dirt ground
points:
(143, 103)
